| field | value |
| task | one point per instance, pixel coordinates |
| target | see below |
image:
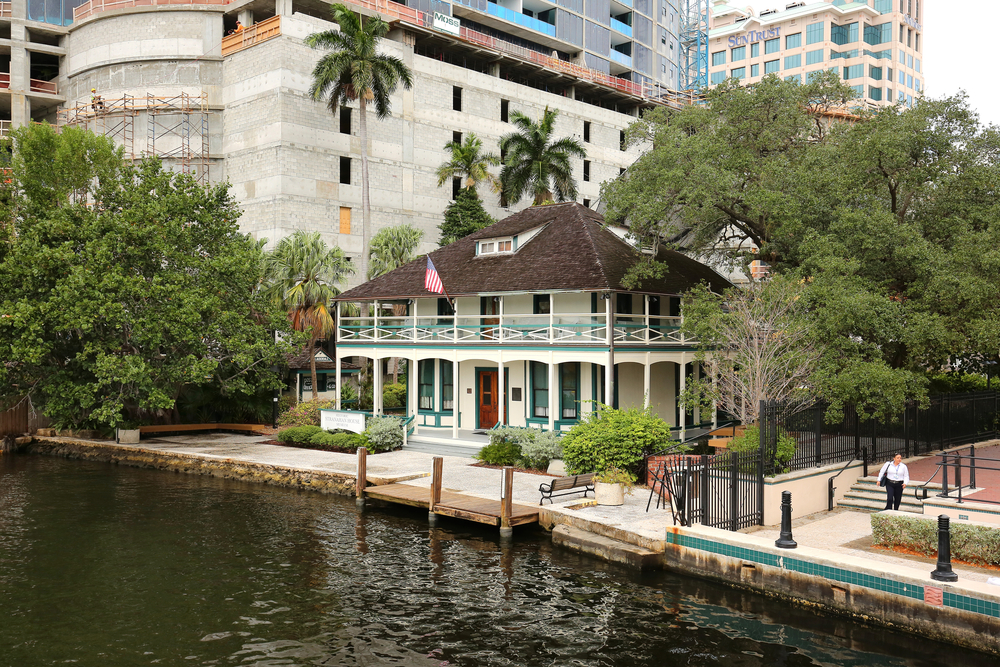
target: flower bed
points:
(970, 542)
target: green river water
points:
(103, 565)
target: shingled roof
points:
(573, 252)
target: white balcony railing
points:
(559, 328)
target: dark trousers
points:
(893, 494)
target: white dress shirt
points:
(895, 473)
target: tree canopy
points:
(123, 286)
(536, 163)
(892, 215)
(469, 162)
(463, 216)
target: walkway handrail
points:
(831, 488)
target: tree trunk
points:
(312, 363)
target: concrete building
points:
(168, 81)
(875, 45)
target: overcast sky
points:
(959, 46)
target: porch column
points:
(377, 386)
(456, 395)
(682, 413)
(375, 329)
(646, 382)
(336, 358)
(645, 317)
(501, 390)
(609, 367)
(500, 321)
(413, 379)
(552, 315)
(553, 389)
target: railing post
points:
(944, 475)
(506, 502)
(734, 495)
(864, 459)
(361, 481)
(818, 427)
(972, 466)
(703, 491)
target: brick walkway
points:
(987, 472)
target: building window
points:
(844, 34)
(586, 203)
(447, 387)
(586, 170)
(878, 34)
(792, 62)
(345, 170)
(853, 72)
(539, 390)
(916, 65)
(718, 77)
(772, 45)
(569, 390)
(902, 57)
(811, 76)
(815, 33)
(718, 58)
(883, 6)
(813, 57)
(772, 66)
(738, 54)
(793, 41)
(874, 73)
(902, 78)
(755, 49)
(494, 246)
(909, 81)
(456, 137)
(621, 140)
(754, 70)
(345, 120)
(909, 61)
(739, 73)
(425, 384)
(875, 93)
(541, 302)
(345, 220)
(586, 131)
(456, 187)
(456, 98)
(797, 78)
(505, 111)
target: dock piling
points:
(362, 477)
(437, 468)
(506, 502)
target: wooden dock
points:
(502, 512)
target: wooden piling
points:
(362, 479)
(436, 476)
(506, 500)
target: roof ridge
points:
(593, 247)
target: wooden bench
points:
(566, 485)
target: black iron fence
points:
(949, 420)
(724, 491)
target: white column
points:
(501, 390)
(609, 368)
(553, 390)
(336, 358)
(552, 315)
(454, 322)
(646, 381)
(377, 386)
(500, 319)
(456, 395)
(680, 390)
(375, 315)
(413, 379)
(645, 317)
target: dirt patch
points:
(913, 553)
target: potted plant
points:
(128, 433)
(611, 485)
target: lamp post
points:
(275, 398)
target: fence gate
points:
(723, 491)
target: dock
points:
(501, 512)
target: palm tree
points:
(470, 163)
(534, 163)
(303, 275)
(393, 247)
(354, 70)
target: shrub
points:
(546, 446)
(394, 395)
(384, 434)
(613, 438)
(297, 434)
(501, 453)
(305, 413)
(971, 543)
(749, 441)
(340, 441)
(616, 476)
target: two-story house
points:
(534, 328)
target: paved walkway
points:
(840, 531)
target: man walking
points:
(896, 476)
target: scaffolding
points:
(694, 45)
(177, 128)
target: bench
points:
(566, 485)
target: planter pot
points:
(128, 436)
(609, 494)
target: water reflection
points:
(117, 566)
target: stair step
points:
(878, 505)
(857, 497)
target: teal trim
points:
(441, 366)
(441, 346)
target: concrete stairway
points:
(867, 495)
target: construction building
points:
(874, 45)
(168, 79)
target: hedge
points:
(969, 542)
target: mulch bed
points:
(516, 469)
(955, 561)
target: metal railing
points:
(96, 6)
(255, 34)
(5, 10)
(39, 86)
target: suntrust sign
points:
(754, 36)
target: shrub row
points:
(971, 543)
(522, 447)
(382, 434)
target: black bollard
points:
(944, 571)
(785, 540)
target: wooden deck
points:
(460, 506)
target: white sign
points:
(446, 23)
(344, 420)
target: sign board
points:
(754, 36)
(344, 420)
(446, 23)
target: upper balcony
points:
(587, 329)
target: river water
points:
(106, 565)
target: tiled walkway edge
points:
(965, 613)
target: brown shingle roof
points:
(573, 252)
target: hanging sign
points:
(446, 23)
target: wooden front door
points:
(488, 397)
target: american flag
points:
(432, 281)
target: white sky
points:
(959, 49)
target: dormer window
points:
(496, 246)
